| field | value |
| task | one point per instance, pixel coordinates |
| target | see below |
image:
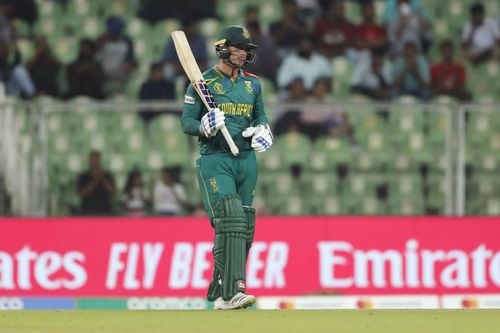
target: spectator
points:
(392, 10)
(322, 116)
(136, 197)
(286, 30)
(335, 34)
(448, 77)
(305, 64)
(154, 11)
(267, 53)
(373, 76)
(96, 188)
(411, 73)
(116, 55)
(6, 27)
(16, 78)
(370, 34)
(44, 68)
(155, 88)
(169, 196)
(480, 35)
(289, 119)
(198, 44)
(408, 26)
(85, 76)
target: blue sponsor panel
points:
(48, 303)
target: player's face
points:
(238, 55)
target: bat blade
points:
(194, 74)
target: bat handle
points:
(230, 141)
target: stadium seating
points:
(394, 163)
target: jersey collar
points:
(226, 76)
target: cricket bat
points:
(194, 74)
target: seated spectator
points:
(15, 77)
(322, 116)
(116, 55)
(373, 76)
(44, 69)
(169, 196)
(289, 119)
(409, 26)
(155, 88)
(96, 188)
(448, 77)
(85, 76)
(267, 53)
(370, 34)
(154, 11)
(411, 73)
(480, 35)
(305, 64)
(197, 42)
(7, 34)
(286, 30)
(136, 196)
(335, 34)
(392, 10)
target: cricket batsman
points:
(227, 183)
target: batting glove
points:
(211, 122)
(262, 138)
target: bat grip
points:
(230, 141)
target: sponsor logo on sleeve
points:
(188, 99)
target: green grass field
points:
(261, 321)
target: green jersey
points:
(241, 101)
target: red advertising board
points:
(291, 256)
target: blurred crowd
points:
(391, 57)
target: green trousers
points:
(224, 174)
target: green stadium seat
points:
(294, 148)
(330, 152)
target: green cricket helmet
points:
(237, 36)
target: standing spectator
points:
(409, 25)
(116, 55)
(448, 77)
(305, 64)
(85, 76)
(136, 197)
(370, 34)
(411, 73)
(480, 35)
(267, 48)
(335, 34)
(155, 88)
(169, 196)
(44, 68)
(198, 44)
(96, 188)
(16, 78)
(286, 30)
(373, 76)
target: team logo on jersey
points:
(248, 87)
(219, 88)
(213, 184)
(188, 99)
(246, 33)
